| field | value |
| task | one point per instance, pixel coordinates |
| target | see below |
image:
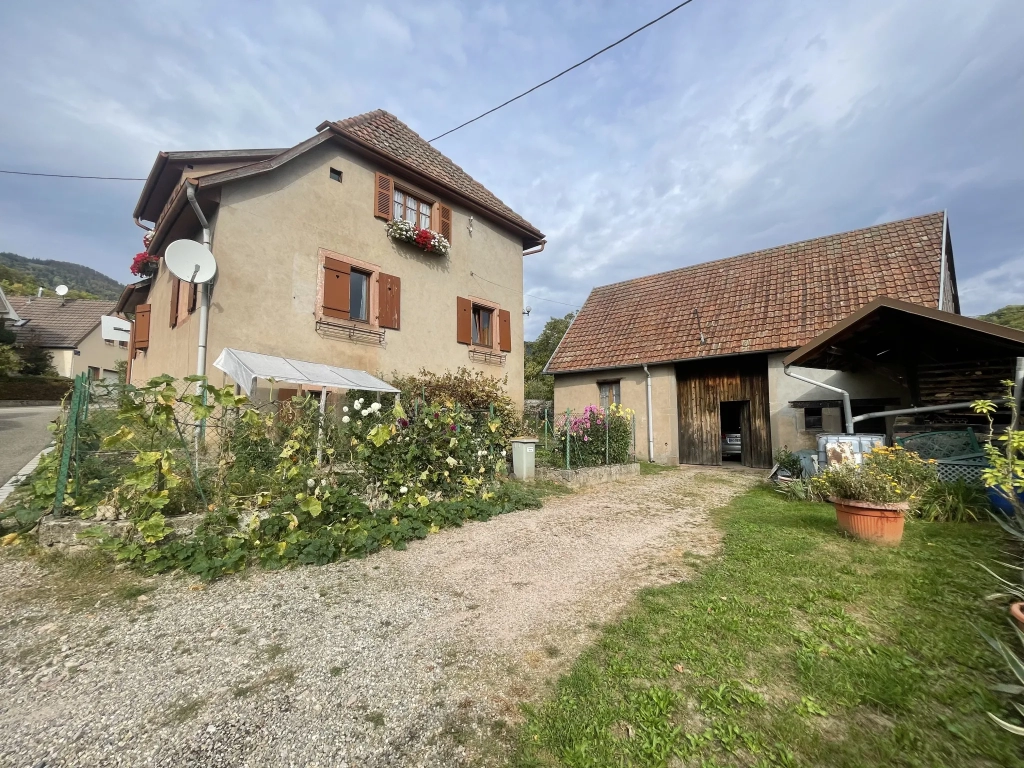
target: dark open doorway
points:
(734, 418)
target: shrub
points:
(886, 475)
(586, 434)
(472, 390)
(955, 502)
(789, 461)
(445, 452)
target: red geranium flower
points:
(424, 238)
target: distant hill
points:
(21, 276)
(1011, 316)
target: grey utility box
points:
(524, 457)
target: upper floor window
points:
(359, 295)
(482, 317)
(412, 209)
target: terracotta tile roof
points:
(779, 298)
(386, 133)
(52, 325)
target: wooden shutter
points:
(175, 290)
(446, 223)
(285, 395)
(142, 315)
(464, 332)
(389, 301)
(192, 294)
(336, 289)
(383, 196)
(505, 330)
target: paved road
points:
(23, 434)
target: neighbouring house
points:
(7, 314)
(701, 349)
(306, 268)
(71, 330)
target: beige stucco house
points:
(701, 349)
(71, 331)
(306, 269)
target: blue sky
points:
(730, 126)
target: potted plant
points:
(872, 498)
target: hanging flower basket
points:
(426, 240)
(144, 265)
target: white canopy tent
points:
(246, 367)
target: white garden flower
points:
(344, 409)
(345, 419)
(310, 483)
(403, 489)
(503, 453)
(375, 407)
(366, 412)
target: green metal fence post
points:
(70, 432)
(568, 430)
(545, 429)
(606, 457)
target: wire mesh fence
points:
(588, 437)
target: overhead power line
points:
(70, 176)
(565, 71)
(528, 295)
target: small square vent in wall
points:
(335, 174)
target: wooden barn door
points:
(702, 387)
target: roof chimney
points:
(39, 293)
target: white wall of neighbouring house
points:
(787, 423)
(575, 391)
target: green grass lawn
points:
(794, 647)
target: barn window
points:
(610, 393)
(812, 420)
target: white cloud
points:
(993, 288)
(727, 127)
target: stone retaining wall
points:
(579, 478)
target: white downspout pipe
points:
(650, 418)
(204, 301)
(847, 409)
(204, 311)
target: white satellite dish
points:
(61, 290)
(190, 261)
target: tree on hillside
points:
(21, 276)
(1012, 316)
(539, 386)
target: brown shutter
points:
(175, 284)
(446, 223)
(336, 289)
(285, 395)
(192, 294)
(142, 314)
(505, 330)
(389, 301)
(464, 332)
(383, 196)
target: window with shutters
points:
(394, 200)
(484, 325)
(355, 292)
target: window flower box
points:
(426, 240)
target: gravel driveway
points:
(415, 658)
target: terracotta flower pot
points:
(871, 520)
(1017, 612)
